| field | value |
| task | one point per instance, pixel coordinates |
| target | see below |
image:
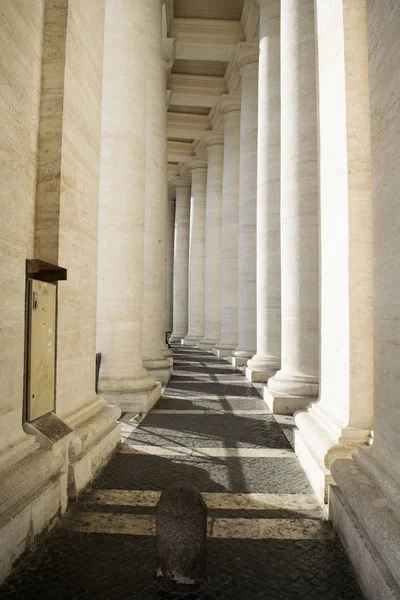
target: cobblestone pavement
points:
(268, 536)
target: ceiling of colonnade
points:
(206, 34)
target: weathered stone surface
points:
(181, 524)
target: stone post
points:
(214, 143)
(198, 168)
(296, 384)
(266, 362)
(230, 108)
(247, 58)
(154, 359)
(181, 259)
(123, 379)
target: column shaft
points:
(230, 229)
(212, 274)
(342, 419)
(296, 384)
(196, 255)
(169, 266)
(122, 197)
(181, 261)
(267, 360)
(154, 359)
(364, 503)
(247, 293)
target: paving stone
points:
(68, 565)
(101, 566)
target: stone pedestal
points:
(266, 361)
(198, 169)
(123, 380)
(181, 259)
(154, 359)
(296, 384)
(230, 108)
(247, 58)
(343, 417)
(364, 504)
(214, 143)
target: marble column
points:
(154, 359)
(169, 265)
(198, 169)
(212, 273)
(123, 379)
(296, 384)
(230, 108)
(364, 504)
(247, 58)
(266, 362)
(181, 259)
(66, 223)
(342, 419)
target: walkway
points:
(268, 536)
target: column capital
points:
(193, 164)
(168, 53)
(227, 103)
(210, 138)
(246, 54)
(180, 181)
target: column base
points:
(260, 369)
(176, 338)
(190, 340)
(286, 394)
(206, 344)
(240, 357)
(160, 369)
(33, 496)
(318, 442)
(368, 528)
(237, 361)
(221, 353)
(96, 435)
(169, 355)
(223, 350)
(135, 400)
(284, 405)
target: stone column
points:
(170, 265)
(247, 58)
(342, 419)
(266, 362)
(198, 168)
(214, 143)
(364, 503)
(181, 259)
(66, 218)
(123, 380)
(296, 384)
(230, 108)
(153, 356)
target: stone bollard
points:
(181, 526)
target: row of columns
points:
(266, 308)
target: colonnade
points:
(276, 241)
(296, 252)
